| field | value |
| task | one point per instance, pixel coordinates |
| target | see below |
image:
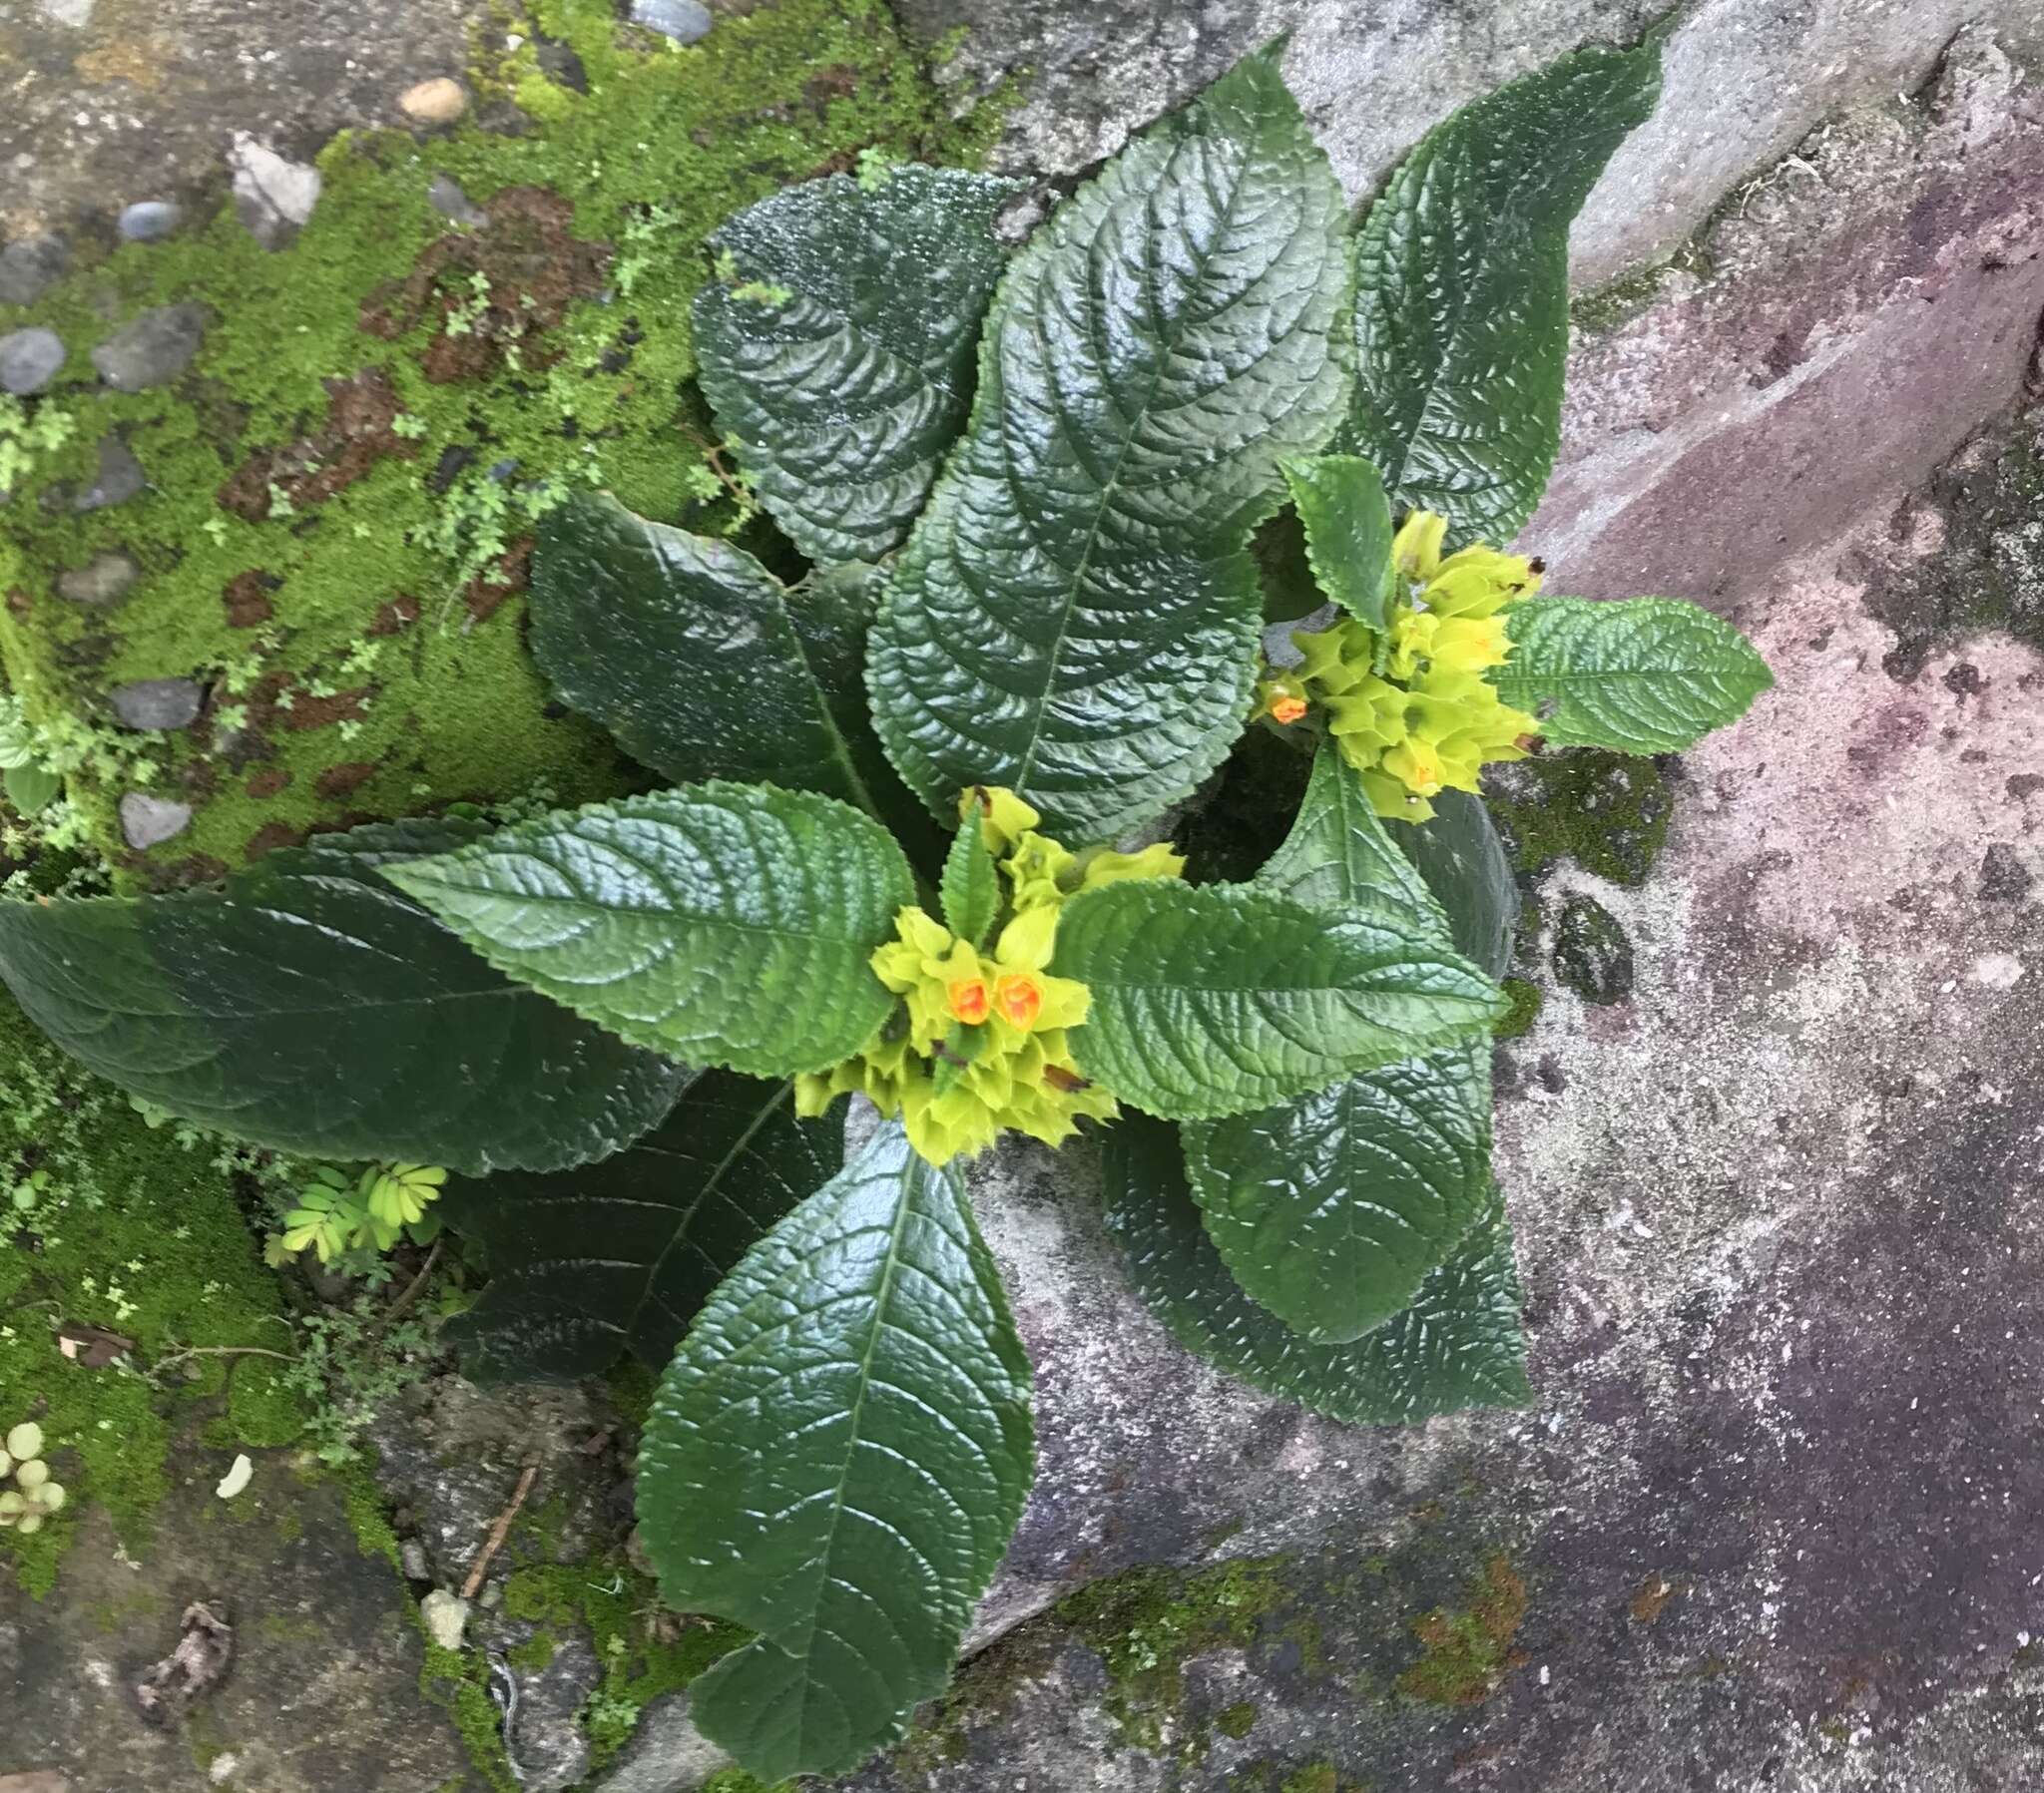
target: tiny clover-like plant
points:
(336, 1212)
(897, 857)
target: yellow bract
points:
(979, 1046)
(1409, 705)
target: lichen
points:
(1464, 1653)
(341, 486)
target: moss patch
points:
(342, 484)
(1466, 1652)
(1526, 1000)
(1609, 813)
(113, 1224)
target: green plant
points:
(888, 864)
(336, 1213)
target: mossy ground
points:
(341, 484)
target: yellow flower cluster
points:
(978, 1045)
(1409, 705)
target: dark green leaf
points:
(971, 888)
(1348, 524)
(32, 788)
(836, 1460)
(1339, 855)
(1643, 675)
(1459, 854)
(701, 662)
(724, 924)
(1457, 1345)
(1075, 616)
(311, 1008)
(844, 395)
(1462, 307)
(1332, 1208)
(1218, 999)
(618, 1256)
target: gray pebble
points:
(272, 196)
(412, 1561)
(445, 197)
(100, 583)
(157, 703)
(118, 479)
(148, 821)
(29, 266)
(153, 349)
(150, 221)
(686, 21)
(29, 361)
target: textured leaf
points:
(845, 396)
(1457, 1345)
(1331, 1209)
(1643, 675)
(836, 1460)
(1348, 523)
(724, 924)
(1458, 853)
(700, 662)
(1339, 854)
(311, 1008)
(971, 888)
(1076, 615)
(618, 1256)
(1462, 307)
(1218, 999)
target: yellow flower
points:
(1409, 705)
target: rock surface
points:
(29, 361)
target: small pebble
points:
(150, 221)
(148, 821)
(29, 361)
(272, 196)
(447, 1617)
(445, 197)
(686, 21)
(411, 1559)
(157, 703)
(437, 102)
(100, 583)
(152, 349)
(118, 479)
(29, 266)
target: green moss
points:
(457, 1681)
(535, 1654)
(1616, 302)
(1237, 1721)
(572, 362)
(1518, 1020)
(114, 1225)
(1314, 1777)
(1466, 1652)
(1607, 811)
(368, 1515)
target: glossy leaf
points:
(700, 662)
(724, 924)
(1462, 306)
(310, 1007)
(618, 1256)
(840, 351)
(1458, 852)
(1339, 854)
(1218, 999)
(1076, 615)
(1458, 1344)
(1348, 523)
(1643, 675)
(1331, 1209)
(971, 888)
(836, 1460)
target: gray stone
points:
(273, 195)
(30, 267)
(29, 361)
(74, 15)
(120, 477)
(1591, 954)
(686, 21)
(148, 821)
(548, 1743)
(150, 221)
(445, 1617)
(667, 1755)
(412, 1561)
(445, 197)
(100, 583)
(157, 703)
(152, 349)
